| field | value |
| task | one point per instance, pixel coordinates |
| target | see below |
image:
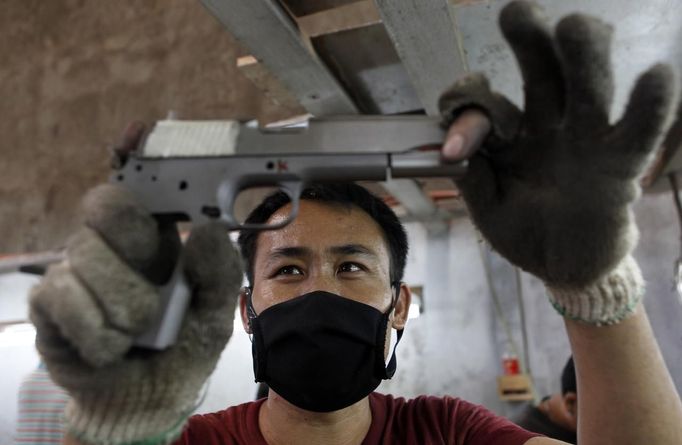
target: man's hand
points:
(88, 309)
(552, 186)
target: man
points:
(550, 189)
(41, 405)
(557, 415)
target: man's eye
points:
(289, 270)
(350, 267)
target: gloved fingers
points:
(128, 301)
(61, 300)
(466, 135)
(584, 45)
(160, 269)
(479, 186)
(150, 247)
(473, 91)
(213, 267)
(531, 40)
(645, 119)
(53, 347)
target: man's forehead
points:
(321, 225)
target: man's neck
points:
(281, 423)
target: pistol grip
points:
(174, 298)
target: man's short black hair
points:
(343, 194)
(568, 381)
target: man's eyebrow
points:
(289, 252)
(301, 252)
(353, 249)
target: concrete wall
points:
(455, 348)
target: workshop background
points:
(75, 72)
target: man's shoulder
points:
(532, 419)
(438, 419)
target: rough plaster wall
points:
(74, 72)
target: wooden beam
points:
(411, 196)
(269, 35)
(426, 38)
(352, 16)
(12, 263)
(367, 62)
(266, 82)
(300, 8)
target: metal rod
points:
(496, 300)
(522, 313)
(12, 263)
(672, 177)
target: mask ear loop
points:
(259, 365)
(395, 296)
(250, 311)
(388, 370)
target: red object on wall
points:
(510, 365)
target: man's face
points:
(329, 248)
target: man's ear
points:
(243, 311)
(402, 307)
(571, 409)
(571, 403)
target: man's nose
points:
(324, 281)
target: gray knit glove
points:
(88, 309)
(552, 187)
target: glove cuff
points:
(607, 301)
(140, 416)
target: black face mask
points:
(320, 351)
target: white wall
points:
(455, 347)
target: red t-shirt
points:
(425, 420)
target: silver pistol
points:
(194, 170)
